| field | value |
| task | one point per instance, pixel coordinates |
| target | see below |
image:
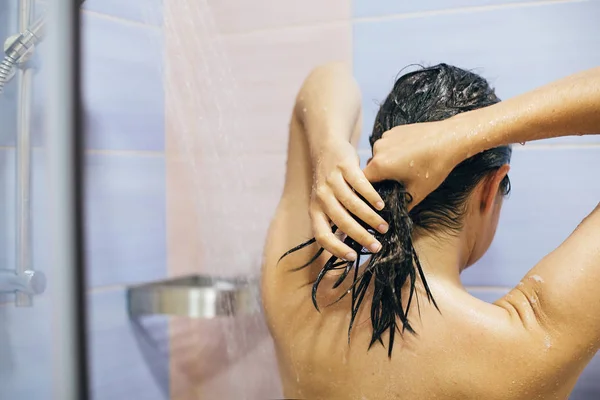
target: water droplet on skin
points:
(412, 163)
(427, 175)
(522, 143)
(487, 139)
(537, 278)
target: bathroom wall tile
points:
(489, 295)
(38, 210)
(128, 358)
(552, 191)
(237, 93)
(7, 209)
(221, 234)
(588, 385)
(232, 16)
(145, 11)
(26, 363)
(227, 127)
(122, 88)
(125, 220)
(123, 85)
(236, 347)
(376, 8)
(125, 216)
(8, 114)
(228, 107)
(517, 49)
(125, 358)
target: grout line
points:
(144, 153)
(460, 10)
(419, 14)
(258, 31)
(107, 288)
(556, 146)
(121, 20)
(111, 17)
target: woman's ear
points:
(491, 188)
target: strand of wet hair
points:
(387, 271)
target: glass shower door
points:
(41, 329)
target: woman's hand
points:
(336, 169)
(419, 155)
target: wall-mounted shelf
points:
(197, 296)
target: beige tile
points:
(235, 16)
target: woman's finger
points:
(357, 206)
(327, 239)
(357, 180)
(344, 221)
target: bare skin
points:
(532, 343)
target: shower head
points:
(20, 46)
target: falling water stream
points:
(205, 119)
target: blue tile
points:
(7, 209)
(146, 11)
(588, 385)
(122, 88)
(123, 96)
(487, 295)
(372, 8)
(126, 219)
(26, 352)
(516, 49)
(39, 215)
(123, 85)
(552, 191)
(128, 359)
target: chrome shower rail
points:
(18, 46)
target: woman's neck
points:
(442, 256)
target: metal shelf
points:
(197, 296)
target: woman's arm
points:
(323, 169)
(570, 106)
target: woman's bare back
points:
(468, 349)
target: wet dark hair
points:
(426, 95)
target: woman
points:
(401, 325)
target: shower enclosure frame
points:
(65, 154)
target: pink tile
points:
(235, 16)
(228, 105)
